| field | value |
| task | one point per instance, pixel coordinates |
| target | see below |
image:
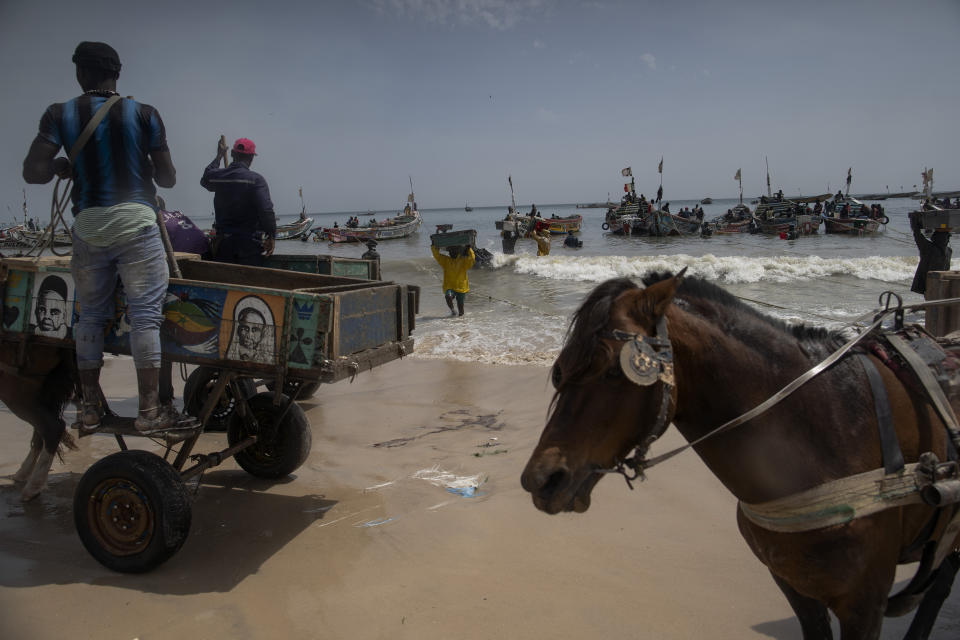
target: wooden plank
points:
(942, 285)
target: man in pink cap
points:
(243, 213)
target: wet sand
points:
(356, 545)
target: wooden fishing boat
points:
(565, 225)
(347, 234)
(467, 207)
(626, 219)
(738, 220)
(778, 216)
(707, 201)
(400, 226)
(851, 216)
(664, 223)
(28, 238)
(294, 230)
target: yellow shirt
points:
(543, 243)
(455, 270)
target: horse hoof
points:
(30, 492)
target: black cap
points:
(98, 55)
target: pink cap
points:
(245, 145)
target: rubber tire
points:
(885, 220)
(293, 386)
(290, 446)
(605, 226)
(164, 495)
(199, 384)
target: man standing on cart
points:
(241, 205)
(117, 151)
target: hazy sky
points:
(349, 98)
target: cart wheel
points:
(198, 386)
(299, 389)
(280, 449)
(132, 511)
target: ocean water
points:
(517, 311)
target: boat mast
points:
(769, 193)
(849, 178)
(303, 205)
(513, 201)
(412, 198)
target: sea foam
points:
(720, 269)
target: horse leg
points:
(926, 614)
(812, 614)
(861, 614)
(23, 473)
(50, 429)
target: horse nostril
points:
(556, 479)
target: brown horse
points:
(36, 389)
(721, 360)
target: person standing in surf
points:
(455, 282)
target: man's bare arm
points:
(164, 173)
(41, 163)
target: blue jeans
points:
(141, 264)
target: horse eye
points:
(556, 376)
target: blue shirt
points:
(241, 201)
(113, 167)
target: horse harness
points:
(920, 363)
(646, 360)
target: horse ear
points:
(660, 294)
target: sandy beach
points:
(407, 521)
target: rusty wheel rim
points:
(120, 517)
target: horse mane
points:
(701, 293)
(583, 334)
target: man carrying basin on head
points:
(114, 163)
(242, 207)
(455, 282)
(935, 252)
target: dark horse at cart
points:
(841, 450)
(287, 330)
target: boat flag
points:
(626, 187)
(737, 177)
(410, 198)
(626, 172)
(660, 166)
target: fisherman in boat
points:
(407, 211)
(242, 207)
(935, 252)
(115, 231)
(456, 285)
(779, 195)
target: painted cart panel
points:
(324, 327)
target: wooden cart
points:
(245, 327)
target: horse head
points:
(614, 392)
